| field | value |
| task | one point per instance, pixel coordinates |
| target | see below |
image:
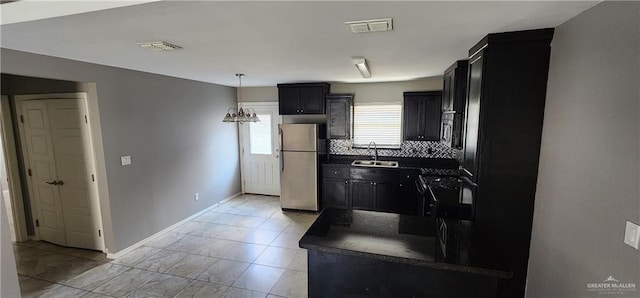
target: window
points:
(260, 135)
(380, 123)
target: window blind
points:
(380, 123)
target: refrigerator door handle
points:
(281, 154)
(281, 163)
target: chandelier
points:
(241, 114)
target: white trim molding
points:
(142, 242)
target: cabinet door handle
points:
(301, 111)
(400, 184)
(346, 182)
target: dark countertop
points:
(436, 167)
(401, 239)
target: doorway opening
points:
(260, 151)
(59, 168)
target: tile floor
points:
(246, 247)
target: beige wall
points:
(259, 94)
(384, 92)
(171, 127)
(589, 161)
(364, 92)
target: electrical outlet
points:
(631, 234)
(196, 196)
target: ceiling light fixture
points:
(361, 65)
(159, 46)
(243, 114)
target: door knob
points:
(52, 182)
(60, 182)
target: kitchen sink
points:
(375, 163)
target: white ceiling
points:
(278, 42)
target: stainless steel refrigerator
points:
(301, 146)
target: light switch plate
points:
(631, 234)
(125, 160)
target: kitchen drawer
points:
(373, 173)
(335, 171)
(383, 174)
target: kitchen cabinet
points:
(375, 189)
(362, 194)
(422, 112)
(307, 98)
(507, 82)
(376, 195)
(336, 193)
(454, 95)
(339, 112)
(336, 187)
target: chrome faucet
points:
(375, 149)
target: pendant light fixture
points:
(240, 115)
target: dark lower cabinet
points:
(336, 193)
(362, 195)
(387, 190)
(340, 275)
(409, 194)
(387, 196)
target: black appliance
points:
(439, 194)
(454, 96)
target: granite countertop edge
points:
(415, 262)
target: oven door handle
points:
(468, 181)
(421, 189)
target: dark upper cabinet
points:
(422, 112)
(454, 93)
(307, 98)
(339, 109)
(288, 100)
(507, 83)
(469, 158)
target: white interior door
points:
(260, 151)
(58, 143)
(42, 172)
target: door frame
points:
(269, 104)
(94, 167)
(13, 172)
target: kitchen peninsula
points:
(367, 253)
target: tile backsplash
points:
(419, 149)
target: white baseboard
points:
(166, 230)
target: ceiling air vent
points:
(159, 46)
(378, 25)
